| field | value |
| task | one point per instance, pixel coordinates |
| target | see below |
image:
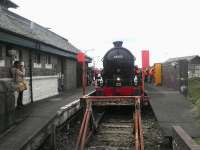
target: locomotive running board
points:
(86, 132)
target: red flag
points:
(145, 59)
(81, 57)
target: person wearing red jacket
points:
(146, 74)
(151, 74)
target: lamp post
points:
(81, 58)
(85, 79)
(94, 64)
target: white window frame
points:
(48, 66)
(36, 65)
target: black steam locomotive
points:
(119, 77)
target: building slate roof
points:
(188, 58)
(20, 25)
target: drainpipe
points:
(30, 73)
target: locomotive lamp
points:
(118, 83)
(118, 78)
(135, 80)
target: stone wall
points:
(70, 74)
(7, 105)
(5, 63)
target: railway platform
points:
(172, 109)
(32, 120)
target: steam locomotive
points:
(120, 76)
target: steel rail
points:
(140, 129)
(82, 144)
(140, 133)
(136, 130)
(81, 131)
(85, 134)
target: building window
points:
(18, 55)
(37, 61)
(48, 59)
(48, 64)
(2, 61)
(37, 58)
(1, 52)
(8, 48)
(14, 53)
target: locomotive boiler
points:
(119, 78)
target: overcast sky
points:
(167, 28)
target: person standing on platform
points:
(146, 74)
(136, 76)
(151, 74)
(18, 73)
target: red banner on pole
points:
(145, 64)
(145, 59)
(81, 57)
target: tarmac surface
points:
(33, 117)
(171, 108)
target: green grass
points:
(194, 96)
(194, 90)
(197, 140)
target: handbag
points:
(21, 86)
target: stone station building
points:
(49, 59)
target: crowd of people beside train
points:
(148, 76)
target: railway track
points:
(115, 132)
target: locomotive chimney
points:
(118, 43)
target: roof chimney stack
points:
(6, 4)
